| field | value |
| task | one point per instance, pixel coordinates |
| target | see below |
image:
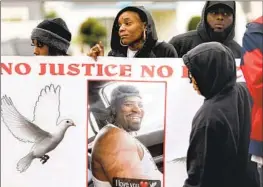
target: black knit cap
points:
(53, 33)
(213, 4)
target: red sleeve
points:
(252, 71)
(252, 59)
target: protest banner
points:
(47, 91)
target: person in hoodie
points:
(251, 66)
(217, 155)
(217, 24)
(51, 37)
(134, 35)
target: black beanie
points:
(229, 4)
(53, 33)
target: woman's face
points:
(40, 49)
(131, 27)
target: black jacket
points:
(218, 151)
(151, 48)
(187, 41)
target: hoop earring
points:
(123, 44)
(144, 34)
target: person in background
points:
(217, 24)
(218, 155)
(51, 37)
(251, 66)
(134, 35)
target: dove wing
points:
(47, 107)
(181, 159)
(18, 125)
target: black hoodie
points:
(187, 41)
(218, 151)
(151, 48)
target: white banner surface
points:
(170, 104)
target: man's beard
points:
(219, 36)
(134, 127)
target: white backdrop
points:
(67, 164)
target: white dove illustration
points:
(46, 115)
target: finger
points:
(95, 49)
(91, 53)
(101, 45)
(94, 56)
(99, 48)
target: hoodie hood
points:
(213, 66)
(151, 34)
(203, 28)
